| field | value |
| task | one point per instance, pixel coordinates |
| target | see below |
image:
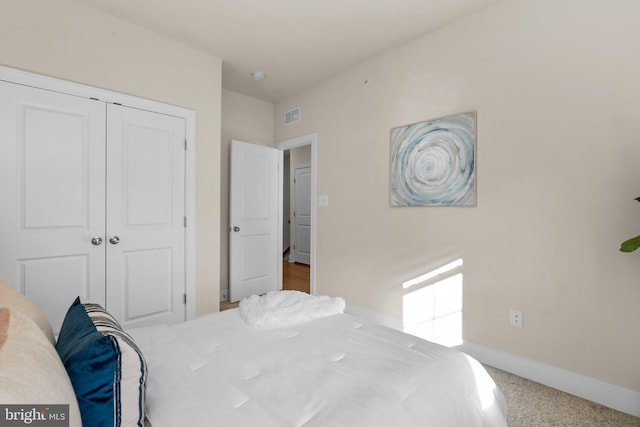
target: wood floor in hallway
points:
(295, 277)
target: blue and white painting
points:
(433, 163)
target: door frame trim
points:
(300, 141)
(27, 78)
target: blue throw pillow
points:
(106, 368)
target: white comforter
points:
(334, 371)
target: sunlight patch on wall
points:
(433, 308)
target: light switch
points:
(323, 200)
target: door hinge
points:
(294, 213)
(185, 144)
(184, 298)
(184, 220)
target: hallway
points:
(295, 277)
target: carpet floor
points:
(534, 405)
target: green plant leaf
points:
(630, 245)
(637, 199)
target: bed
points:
(334, 370)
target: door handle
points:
(96, 241)
(236, 229)
(114, 240)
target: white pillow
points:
(9, 297)
(31, 373)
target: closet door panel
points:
(52, 184)
(145, 211)
(53, 282)
(53, 165)
(148, 177)
(141, 268)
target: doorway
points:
(296, 226)
(299, 274)
(286, 146)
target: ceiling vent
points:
(292, 116)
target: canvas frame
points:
(434, 162)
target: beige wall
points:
(555, 85)
(66, 40)
(244, 119)
(300, 156)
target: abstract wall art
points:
(433, 163)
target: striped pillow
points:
(106, 368)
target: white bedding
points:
(277, 309)
(334, 371)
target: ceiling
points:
(296, 43)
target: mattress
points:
(336, 371)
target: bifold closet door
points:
(145, 235)
(52, 197)
(92, 204)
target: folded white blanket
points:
(277, 309)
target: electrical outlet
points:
(516, 318)
(224, 295)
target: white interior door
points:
(255, 209)
(52, 188)
(145, 233)
(302, 214)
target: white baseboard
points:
(610, 395)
